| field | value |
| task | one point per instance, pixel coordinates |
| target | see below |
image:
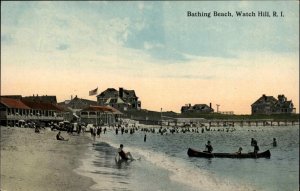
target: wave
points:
(184, 172)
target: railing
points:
(88, 116)
(30, 117)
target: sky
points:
(69, 48)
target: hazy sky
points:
(169, 59)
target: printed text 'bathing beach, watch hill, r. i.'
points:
(264, 14)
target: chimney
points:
(71, 97)
(265, 97)
(121, 92)
(210, 105)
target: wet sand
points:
(39, 162)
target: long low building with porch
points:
(100, 115)
(17, 111)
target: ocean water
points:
(164, 164)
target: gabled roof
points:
(265, 99)
(77, 103)
(13, 103)
(112, 92)
(44, 98)
(108, 92)
(85, 101)
(41, 105)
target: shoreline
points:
(39, 162)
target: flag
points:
(93, 92)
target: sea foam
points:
(184, 173)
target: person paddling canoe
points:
(208, 147)
(239, 151)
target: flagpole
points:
(160, 117)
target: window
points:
(84, 113)
(92, 113)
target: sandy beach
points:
(37, 161)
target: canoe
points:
(194, 153)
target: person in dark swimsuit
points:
(36, 130)
(59, 137)
(124, 155)
(274, 142)
(98, 131)
(256, 149)
(253, 142)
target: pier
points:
(251, 122)
(201, 122)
